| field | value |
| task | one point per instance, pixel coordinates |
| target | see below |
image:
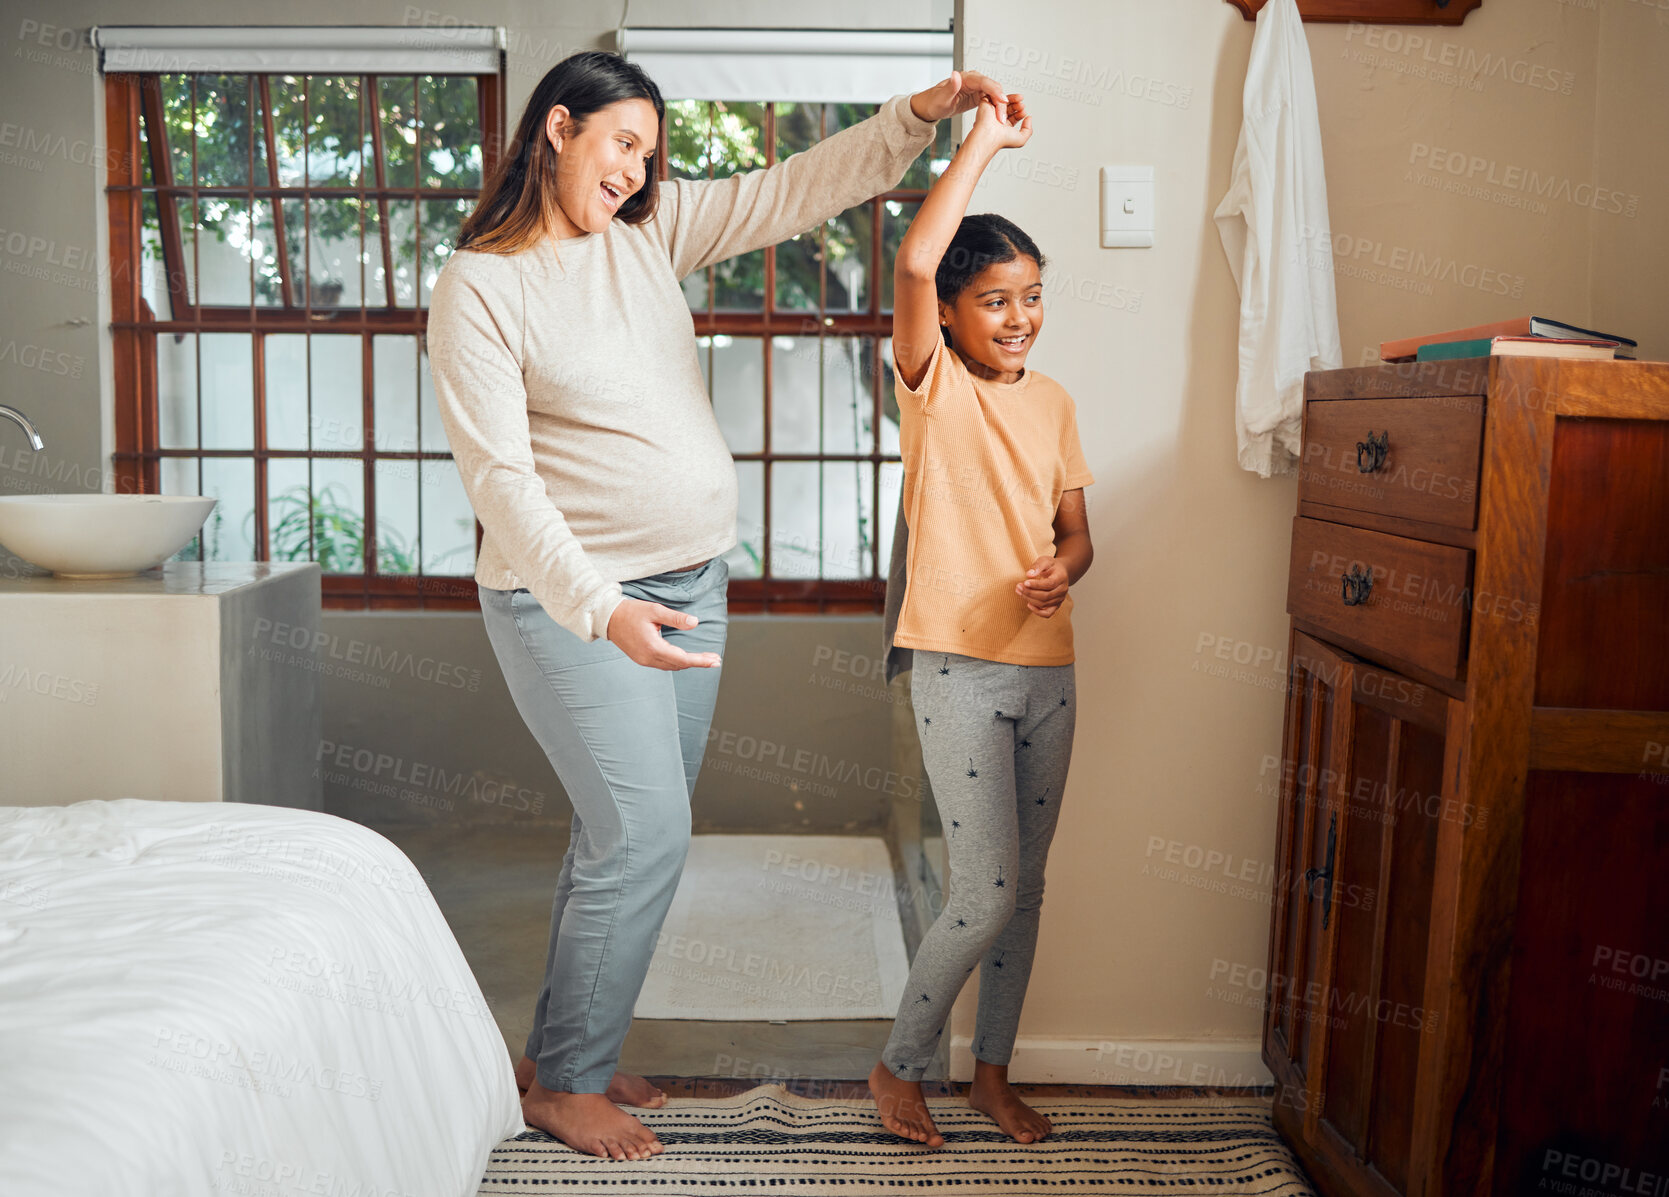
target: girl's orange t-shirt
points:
(985, 465)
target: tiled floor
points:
(494, 885)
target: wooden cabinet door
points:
(1307, 843)
(1357, 844)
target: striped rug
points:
(770, 1139)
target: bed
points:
(234, 999)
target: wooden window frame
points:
(137, 460)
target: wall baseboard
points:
(1210, 1063)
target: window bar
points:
(767, 378)
(367, 379)
(306, 202)
(419, 300)
(382, 200)
(286, 292)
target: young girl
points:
(993, 532)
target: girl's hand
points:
(957, 94)
(635, 629)
(1006, 126)
(1045, 586)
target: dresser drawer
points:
(1412, 458)
(1406, 598)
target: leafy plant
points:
(325, 527)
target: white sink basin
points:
(100, 536)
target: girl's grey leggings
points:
(996, 740)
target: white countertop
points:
(189, 578)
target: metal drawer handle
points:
(1370, 454)
(1356, 586)
(1311, 876)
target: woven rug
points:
(771, 1139)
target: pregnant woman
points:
(565, 368)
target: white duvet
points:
(204, 998)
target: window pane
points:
(286, 374)
(337, 373)
(889, 402)
(795, 531)
(335, 262)
(399, 130)
(796, 368)
(931, 164)
(848, 395)
(339, 516)
(847, 241)
(396, 517)
(848, 519)
(153, 266)
(896, 216)
(287, 510)
(402, 231)
(737, 384)
(224, 247)
(222, 130)
(799, 127)
(177, 124)
(892, 488)
(187, 223)
(263, 250)
(441, 221)
(376, 275)
(335, 145)
(176, 392)
(450, 131)
(179, 476)
(799, 263)
(228, 372)
(229, 533)
(288, 93)
(448, 521)
(687, 139)
(746, 560)
(394, 395)
(431, 432)
(737, 145)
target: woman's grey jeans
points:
(626, 741)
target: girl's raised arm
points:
(915, 303)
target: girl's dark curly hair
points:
(981, 240)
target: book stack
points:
(1528, 336)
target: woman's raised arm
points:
(707, 221)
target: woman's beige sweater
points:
(570, 389)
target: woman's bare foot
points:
(589, 1122)
(992, 1095)
(902, 1107)
(626, 1088)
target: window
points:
(795, 344)
(273, 240)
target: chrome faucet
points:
(11, 413)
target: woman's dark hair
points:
(981, 240)
(511, 214)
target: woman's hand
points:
(1006, 126)
(1045, 586)
(957, 94)
(635, 629)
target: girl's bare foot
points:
(992, 1095)
(903, 1109)
(626, 1088)
(589, 1122)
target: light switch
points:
(1127, 207)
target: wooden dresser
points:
(1469, 953)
